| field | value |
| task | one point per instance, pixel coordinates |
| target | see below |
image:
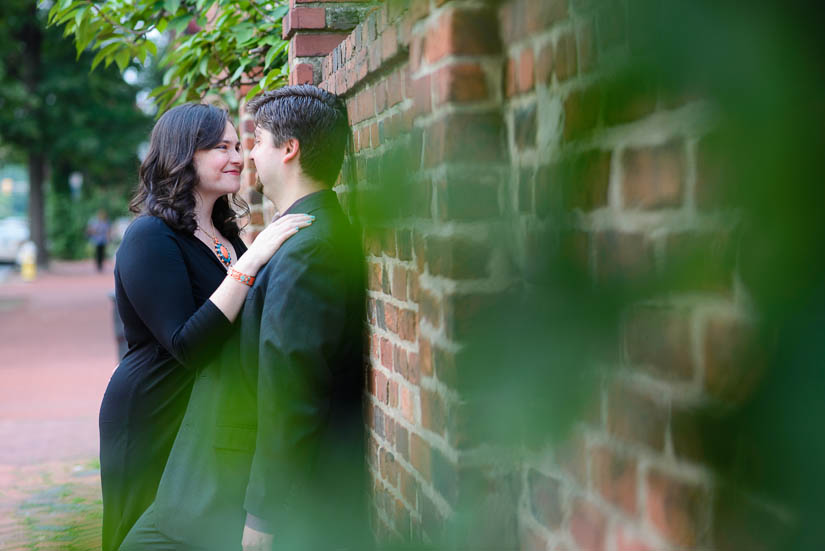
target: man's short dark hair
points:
(314, 117)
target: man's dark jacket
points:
(279, 435)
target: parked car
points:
(14, 231)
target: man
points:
(272, 454)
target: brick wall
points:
(474, 120)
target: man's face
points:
(268, 161)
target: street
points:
(57, 351)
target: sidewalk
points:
(58, 350)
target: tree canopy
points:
(215, 44)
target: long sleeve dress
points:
(163, 280)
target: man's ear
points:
(292, 149)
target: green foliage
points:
(68, 239)
(53, 110)
(215, 44)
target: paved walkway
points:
(57, 351)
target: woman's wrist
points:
(248, 265)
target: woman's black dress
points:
(163, 280)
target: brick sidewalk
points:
(58, 350)
(50, 506)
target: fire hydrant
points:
(27, 258)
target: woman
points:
(181, 276)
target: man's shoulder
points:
(329, 237)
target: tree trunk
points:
(37, 219)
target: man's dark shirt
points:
(280, 437)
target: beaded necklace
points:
(220, 249)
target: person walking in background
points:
(272, 452)
(99, 231)
(181, 277)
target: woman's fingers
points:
(299, 220)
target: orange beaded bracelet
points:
(243, 278)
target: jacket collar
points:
(314, 201)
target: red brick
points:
(375, 276)
(366, 104)
(511, 16)
(307, 18)
(544, 64)
(308, 45)
(460, 83)
(659, 340)
(733, 360)
(622, 257)
(526, 68)
(386, 353)
(417, 50)
(393, 394)
(381, 387)
(387, 467)
(375, 347)
(614, 476)
(303, 74)
(433, 412)
(545, 499)
(654, 176)
(380, 90)
(425, 356)
(637, 418)
(407, 325)
(675, 508)
(457, 257)
(407, 406)
(421, 94)
(408, 486)
(445, 365)
(402, 441)
(469, 137)
(420, 456)
(399, 282)
(389, 43)
(391, 317)
(374, 135)
(249, 125)
(565, 59)
(430, 308)
(581, 112)
(510, 83)
(256, 218)
(588, 526)
(395, 89)
(462, 31)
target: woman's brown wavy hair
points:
(167, 175)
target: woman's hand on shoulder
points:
(270, 240)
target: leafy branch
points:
(210, 45)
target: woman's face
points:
(219, 168)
